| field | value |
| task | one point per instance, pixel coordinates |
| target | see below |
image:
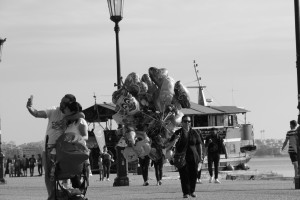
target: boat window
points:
(230, 120)
(200, 121)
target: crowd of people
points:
(18, 166)
(69, 117)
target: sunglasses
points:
(186, 121)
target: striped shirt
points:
(292, 137)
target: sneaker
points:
(217, 181)
(210, 179)
(199, 181)
(193, 195)
(159, 182)
(146, 183)
(185, 196)
(107, 179)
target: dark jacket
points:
(193, 140)
(215, 144)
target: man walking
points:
(32, 162)
(215, 146)
(40, 164)
(291, 137)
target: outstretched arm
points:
(33, 111)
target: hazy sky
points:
(245, 50)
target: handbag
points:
(179, 158)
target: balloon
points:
(149, 109)
(157, 75)
(182, 95)
(129, 154)
(151, 85)
(166, 93)
(130, 137)
(122, 142)
(134, 85)
(169, 154)
(142, 148)
(117, 94)
(129, 105)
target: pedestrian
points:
(214, 147)
(291, 137)
(11, 166)
(40, 164)
(107, 159)
(100, 164)
(144, 166)
(25, 163)
(55, 128)
(188, 141)
(201, 157)
(17, 166)
(8, 160)
(158, 166)
(32, 162)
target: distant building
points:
(28, 151)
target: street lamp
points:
(2, 181)
(1, 44)
(116, 14)
(297, 30)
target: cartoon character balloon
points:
(149, 109)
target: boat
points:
(238, 138)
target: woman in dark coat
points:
(188, 173)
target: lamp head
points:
(115, 10)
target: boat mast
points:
(201, 97)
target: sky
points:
(245, 51)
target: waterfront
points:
(279, 165)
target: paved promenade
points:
(32, 188)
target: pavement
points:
(261, 188)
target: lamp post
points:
(116, 14)
(1, 43)
(2, 180)
(297, 30)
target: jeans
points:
(50, 185)
(213, 158)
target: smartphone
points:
(31, 98)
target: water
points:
(279, 165)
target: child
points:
(100, 168)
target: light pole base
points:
(297, 182)
(2, 181)
(121, 181)
(122, 168)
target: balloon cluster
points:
(149, 110)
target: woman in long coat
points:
(188, 174)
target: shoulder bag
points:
(179, 157)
